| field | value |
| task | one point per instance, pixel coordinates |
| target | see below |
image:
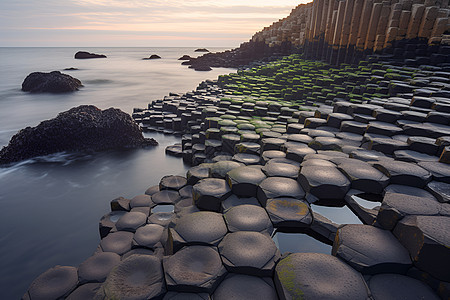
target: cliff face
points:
(338, 31)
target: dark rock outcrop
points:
(185, 57)
(83, 128)
(153, 56)
(86, 55)
(201, 50)
(53, 82)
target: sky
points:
(136, 23)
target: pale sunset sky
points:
(134, 23)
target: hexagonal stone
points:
(404, 173)
(85, 291)
(408, 190)
(414, 157)
(166, 197)
(108, 221)
(267, 155)
(289, 213)
(310, 161)
(366, 155)
(131, 221)
(161, 218)
(120, 204)
(440, 190)
(55, 283)
(244, 181)
(299, 138)
(150, 236)
(274, 169)
(209, 193)
(271, 144)
(387, 145)
(137, 277)
(247, 159)
(335, 119)
(383, 128)
(427, 239)
(97, 267)
(364, 177)
(276, 187)
(186, 296)
(207, 228)
(318, 276)
(239, 286)
(314, 122)
(118, 242)
(326, 143)
(196, 269)
(221, 168)
(141, 201)
(234, 200)
(250, 253)
(396, 286)
(440, 171)
(248, 218)
(370, 250)
(324, 182)
(395, 206)
(172, 182)
(197, 173)
(298, 153)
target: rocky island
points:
(83, 128)
(356, 117)
(53, 82)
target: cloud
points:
(199, 17)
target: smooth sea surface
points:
(50, 207)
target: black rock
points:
(153, 56)
(53, 82)
(202, 50)
(71, 69)
(83, 128)
(185, 57)
(85, 55)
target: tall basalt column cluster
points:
(344, 31)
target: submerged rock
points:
(185, 57)
(53, 82)
(85, 55)
(83, 128)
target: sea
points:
(50, 207)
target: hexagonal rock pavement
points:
(172, 182)
(276, 187)
(239, 286)
(427, 239)
(131, 221)
(318, 276)
(150, 236)
(395, 206)
(85, 291)
(289, 213)
(209, 193)
(55, 283)
(234, 200)
(250, 253)
(196, 269)
(324, 182)
(370, 250)
(248, 218)
(244, 181)
(166, 197)
(274, 169)
(202, 227)
(396, 286)
(118, 242)
(97, 267)
(221, 168)
(364, 177)
(137, 277)
(404, 173)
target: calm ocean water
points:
(50, 209)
